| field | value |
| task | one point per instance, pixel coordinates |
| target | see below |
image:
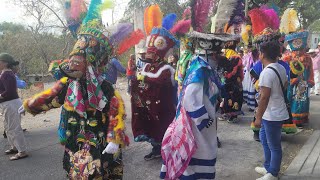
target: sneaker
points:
(151, 156)
(261, 170)
(268, 176)
(221, 118)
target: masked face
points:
(87, 50)
(158, 47)
(213, 45)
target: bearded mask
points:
(159, 43)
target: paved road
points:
(236, 159)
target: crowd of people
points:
(175, 101)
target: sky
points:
(11, 13)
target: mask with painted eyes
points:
(210, 45)
(89, 49)
(297, 41)
(159, 44)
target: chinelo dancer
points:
(195, 115)
(152, 95)
(230, 22)
(302, 75)
(91, 127)
(189, 146)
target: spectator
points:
(272, 111)
(315, 56)
(111, 72)
(172, 60)
(141, 59)
(21, 84)
(9, 104)
(131, 71)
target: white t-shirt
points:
(276, 109)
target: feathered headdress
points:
(229, 12)
(132, 40)
(289, 21)
(200, 13)
(74, 11)
(263, 18)
(160, 40)
(152, 18)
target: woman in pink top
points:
(316, 69)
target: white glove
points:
(111, 148)
(21, 110)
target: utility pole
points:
(246, 8)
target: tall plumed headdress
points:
(296, 39)
(265, 25)
(229, 13)
(92, 51)
(200, 13)
(93, 37)
(160, 40)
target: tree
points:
(174, 6)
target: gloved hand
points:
(140, 77)
(111, 148)
(21, 110)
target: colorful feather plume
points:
(182, 27)
(152, 18)
(289, 21)
(78, 7)
(187, 13)
(245, 34)
(107, 4)
(263, 18)
(74, 11)
(169, 21)
(200, 13)
(129, 42)
(93, 11)
(226, 9)
(237, 16)
(123, 31)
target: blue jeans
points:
(270, 137)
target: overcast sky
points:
(11, 13)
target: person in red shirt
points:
(131, 71)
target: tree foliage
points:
(19, 42)
(167, 6)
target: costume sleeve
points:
(194, 105)
(116, 129)
(118, 66)
(48, 99)
(164, 77)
